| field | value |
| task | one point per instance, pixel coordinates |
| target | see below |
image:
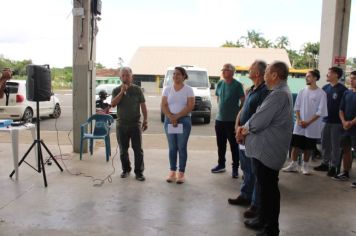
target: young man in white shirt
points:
(310, 107)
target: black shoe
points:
(218, 169)
(239, 201)
(251, 212)
(140, 177)
(255, 224)
(322, 167)
(343, 176)
(332, 172)
(125, 174)
(235, 173)
(262, 233)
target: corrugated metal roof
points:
(155, 60)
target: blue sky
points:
(44, 33)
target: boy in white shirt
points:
(310, 107)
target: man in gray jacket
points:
(267, 135)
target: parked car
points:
(19, 108)
(108, 88)
(197, 79)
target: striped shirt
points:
(270, 128)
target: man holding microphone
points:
(129, 99)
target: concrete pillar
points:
(83, 69)
(334, 35)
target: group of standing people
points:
(259, 127)
(263, 131)
(328, 114)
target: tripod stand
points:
(38, 142)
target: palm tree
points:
(311, 53)
(266, 43)
(230, 44)
(282, 42)
(239, 43)
(253, 38)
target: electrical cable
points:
(97, 182)
(92, 18)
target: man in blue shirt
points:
(229, 93)
(267, 135)
(256, 94)
(348, 119)
(331, 134)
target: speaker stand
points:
(38, 142)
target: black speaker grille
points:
(38, 85)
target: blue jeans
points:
(249, 187)
(177, 143)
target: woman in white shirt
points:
(177, 104)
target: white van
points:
(197, 79)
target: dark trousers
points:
(225, 130)
(124, 134)
(267, 179)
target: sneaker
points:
(180, 178)
(332, 172)
(125, 174)
(140, 177)
(321, 167)
(239, 201)
(292, 167)
(353, 185)
(172, 177)
(305, 168)
(343, 176)
(218, 169)
(235, 173)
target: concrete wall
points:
(334, 34)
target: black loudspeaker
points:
(38, 85)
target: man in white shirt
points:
(310, 107)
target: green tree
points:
(266, 43)
(296, 59)
(230, 44)
(282, 42)
(100, 66)
(310, 52)
(351, 62)
(253, 38)
(19, 67)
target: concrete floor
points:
(72, 205)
